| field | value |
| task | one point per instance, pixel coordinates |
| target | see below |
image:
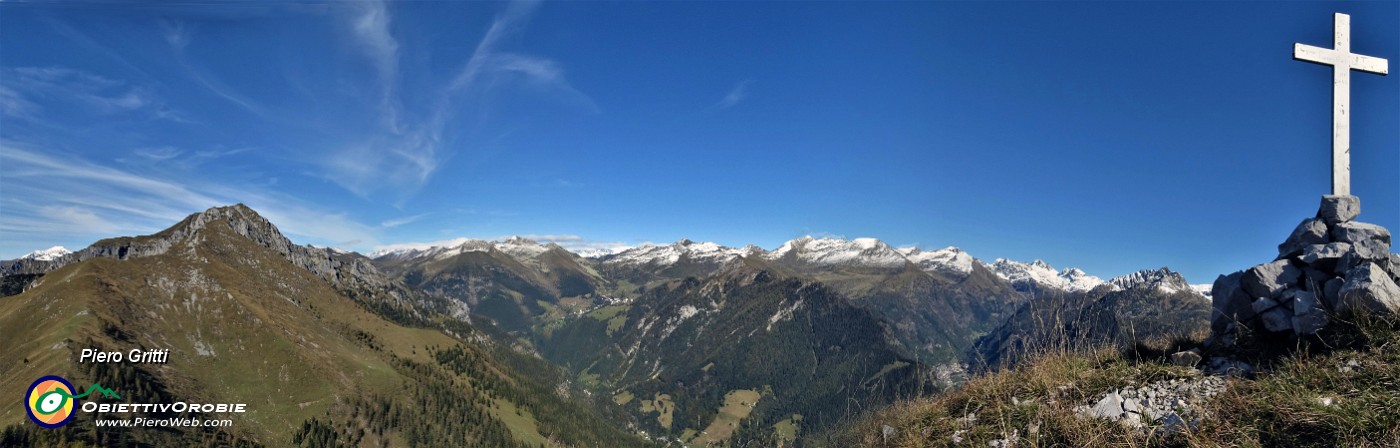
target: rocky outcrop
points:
(1329, 265)
(1171, 404)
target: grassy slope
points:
(282, 349)
(242, 325)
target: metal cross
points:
(1343, 62)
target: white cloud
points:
(392, 223)
(158, 154)
(175, 34)
(51, 196)
(371, 28)
(735, 95)
(403, 158)
(12, 104)
(27, 86)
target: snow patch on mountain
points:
(50, 254)
(1163, 280)
(599, 252)
(948, 259)
(1042, 274)
(655, 255)
(521, 248)
(839, 252)
(1203, 289)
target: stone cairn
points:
(1331, 265)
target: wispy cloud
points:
(158, 154)
(51, 196)
(565, 183)
(735, 95)
(12, 104)
(179, 158)
(392, 223)
(51, 193)
(175, 34)
(371, 28)
(25, 86)
(403, 157)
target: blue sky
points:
(1108, 136)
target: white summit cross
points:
(1343, 62)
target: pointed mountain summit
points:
(949, 259)
(1163, 279)
(50, 254)
(1039, 275)
(838, 252)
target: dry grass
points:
(1035, 401)
(1355, 370)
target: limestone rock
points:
(1274, 316)
(1355, 232)
(1368, 287)
(1308, 315)
(1310, 231)
(1339, 208)
(1188, 358)
(1110, 407)
(1332, 292)
(1226, 366)
(1229, 302)
(1269, 280)
(1325, 256)
(1374, 250)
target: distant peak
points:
(867, 243)
(1163, 279)
(840, 251)
(684, 242)
(520, 240)
(1040, 273)
(50, 254)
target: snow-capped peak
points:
(515, 246)
(652, 254)
(598, 252)
(1042, 274)
(1163, 280)
(50, 254)
(334, 250)
(521, 247)
(948, 259)
(839, 251)
(1203, 289)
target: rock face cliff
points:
(1331, 265)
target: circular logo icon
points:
(50, 401)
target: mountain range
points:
(690, 342)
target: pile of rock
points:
(1172, 404)
(1330, 265)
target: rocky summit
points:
(1330, 265)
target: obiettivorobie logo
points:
(50, 400)
(51, 403)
